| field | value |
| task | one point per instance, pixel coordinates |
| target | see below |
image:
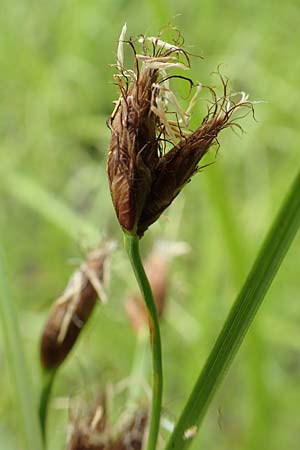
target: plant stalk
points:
(240, 317)
(47, 383)
(132, 247)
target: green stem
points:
(132, 247)
(240, 318)
(47, 383)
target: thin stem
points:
(132, 248)
(239, 319)
(47, 383)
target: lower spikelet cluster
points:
(144, 177)
(94, 431)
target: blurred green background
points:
(56, 94)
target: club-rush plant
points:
(152, 155)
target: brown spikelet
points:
(144, 178)
(132, 149)
(175, 169)
(72, 310)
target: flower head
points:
(72, 309)
(144, 178)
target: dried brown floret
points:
(72, 309)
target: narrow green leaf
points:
(239, 319)
(13, 347)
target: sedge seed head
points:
(144, 177)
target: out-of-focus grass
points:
(56, 94)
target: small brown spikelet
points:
(144, 177)
(176, 168)
(72, 309)
(133, 150)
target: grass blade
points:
(240, 318)
(13, 346)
